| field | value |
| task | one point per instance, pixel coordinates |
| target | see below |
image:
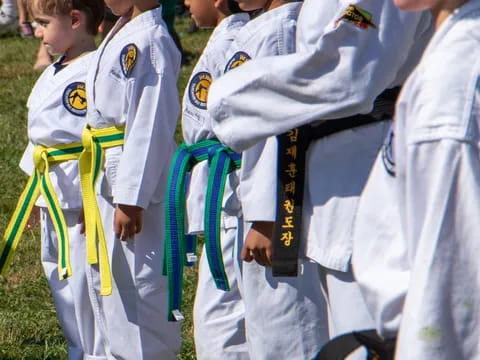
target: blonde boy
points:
(56, 116)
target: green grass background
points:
(28, 325)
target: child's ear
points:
(78, 18)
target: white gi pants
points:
(219, 316)
(134, 316)
(71, 296)
(285, 317)
(347, 310)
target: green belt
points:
(40, 183)
(222, 161)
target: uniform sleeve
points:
(26, 162)
(379, 261)
(258, 181)
(441, 220)
(339, 75)
(151, 113)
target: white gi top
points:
(435, 195)
(270, 34)
(196, 123)
(348, 52)
(133, 82)
(57, 115)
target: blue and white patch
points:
(75, 98)
(388, 154)
(239, 58)
(128, 59)
(198, 89)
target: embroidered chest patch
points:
(128, 58)
(357, 16)
(198, 89)
(239, 58)
(75, 99)
(388, 155)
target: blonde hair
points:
(94, 9)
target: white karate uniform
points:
(340, 67)
(285, 317)
(50, 122)
(428, 240)
(219, 316)
(143, 97)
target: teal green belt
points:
(222, 161)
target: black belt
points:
(292, 149)
(342, 346)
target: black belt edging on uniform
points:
(292, 149)
(342, 346)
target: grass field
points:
(28, 325)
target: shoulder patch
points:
(198, 89)
(128, 58)
(239, 58)
(357, 16)
(75, 98)
(388, 154)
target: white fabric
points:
(338, 71)
(134, 316)
(9, 7)
(219, 324)
(71, 296)
(196, 126)
(219, 316)
(146, 101)
(323, 80)
(436, 195)
(50, 123)
(285, 318)
(258, 174)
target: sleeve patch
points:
(239, 58)
(128, 58)
(198, 89)
(388, 155)
(358, 17)
(75, 98)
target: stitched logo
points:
(198, 89)
(75, 99)
(128, 58)
(357, 16)
(388, 154)
(238, 59)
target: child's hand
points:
(127, 221)
(34, 218)
(258, 244)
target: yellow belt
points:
(94, 142)
(40, 183)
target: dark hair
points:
(94, 10)
(233, 7)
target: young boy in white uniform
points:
(429, 185)
(219, 316)
(56, 117)
(294, 307)
(132, 83)
(348, 53)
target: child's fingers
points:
(246, 254)
(118, 229)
